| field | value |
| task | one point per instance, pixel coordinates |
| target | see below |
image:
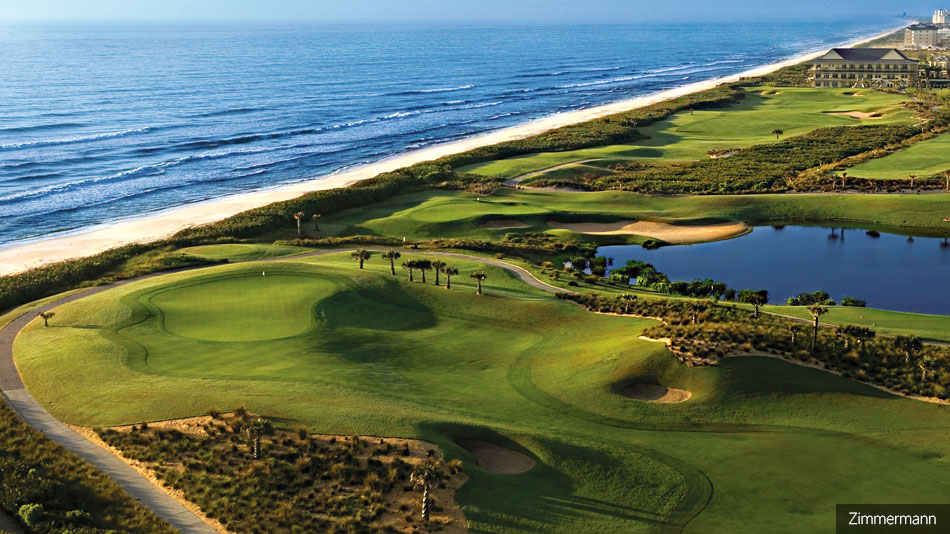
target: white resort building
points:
(864, 67)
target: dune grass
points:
(924, 159)
(689, 135)
(383, 356)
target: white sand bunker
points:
(769, 93)
(655, 393)
(500, 224)
(861, 115)
(670, 233)
(496, 458)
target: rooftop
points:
(865, 55)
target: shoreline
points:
(99, 238)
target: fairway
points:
(349, 351)
(689, 135)
(451, 214)
(924, 159)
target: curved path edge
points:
(139, 487)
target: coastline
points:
(28, 255)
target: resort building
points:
(921, 36)
(864, 67)
(941, 16)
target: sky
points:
(460, 10)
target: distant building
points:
(864, 67)
(941, 16)
(939, 66)
(921, 36)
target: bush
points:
(855, 302)
(32, 514)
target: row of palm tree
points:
(299, 216)
(423, 266)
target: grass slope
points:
(435, 214)
(925, 159)
(382, 356)
(688, 136)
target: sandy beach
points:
(163, 224)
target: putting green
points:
(246, 307)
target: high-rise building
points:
(921, 36)
(941, 16)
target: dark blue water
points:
(105, 121)
(891, 272)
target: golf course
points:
(461, 303)
(690, 135)
(318, 342)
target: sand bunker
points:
(768, 93)
(861, 115)
(500, 224)
(496, 458)
(655, 393)
(667, 232)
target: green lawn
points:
(936, 327)
(434, 214)
(361, 352)
(242, 251)
(688, 136)
(925, 159)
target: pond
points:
(889, 271)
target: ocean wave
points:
(70, 140)
(41, 127)
(436, 90)
(225, 112)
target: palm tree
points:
(256, 431)
(316, 219)
(449, 272)
(816, 311)
(479, 277)
(863, 335)
(423, 266)
(299, 217)
(425, 475)
(777, 133)
(409, 266)
(391, 256)
(910, 345)
(361, 255)
(947, 174)
(437, 266)
(46, 317)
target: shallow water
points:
(102, 121)
(892, 272)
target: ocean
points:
(106, 121)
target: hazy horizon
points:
(534, 11)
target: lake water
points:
(892, 272)
(102, 121)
